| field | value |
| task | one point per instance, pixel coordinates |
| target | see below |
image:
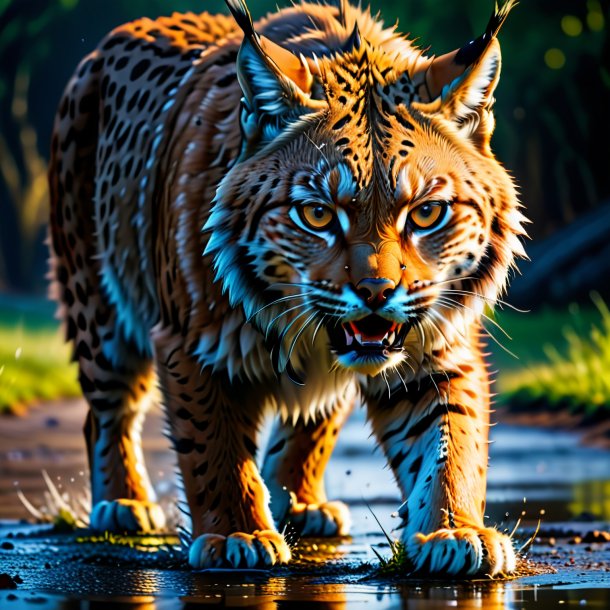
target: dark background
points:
(552, 130)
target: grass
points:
(34, 359)
(573, 371)
(66, 510)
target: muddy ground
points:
(568, 564)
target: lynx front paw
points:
(129, 516)
(319, 520)
(261, 549)
(464, 551)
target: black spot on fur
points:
(113, 42)
(121, 63)
(341, 122)
(82, 351)
(68, 297)
(139, 69)
(71, 328)
(404, 122)
(88, 103)
(226, 80)
(250, 445)
(62, 274)
(201, 424)
(200, 470)
(398, 459)
(277, 447)
(81, 294)
(184, 445)
(416, 464)
(85, 383)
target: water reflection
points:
(128, 603)
(494, 596)
(490, 597)
(280, 593)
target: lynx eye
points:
(428, 215)
(317, 216)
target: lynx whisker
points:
(276, 301)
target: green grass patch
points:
(34, 359)
(397, 564)
(572, 370)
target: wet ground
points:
(570, 565)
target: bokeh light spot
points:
(571, 25)
(595, 20)
(555, 59)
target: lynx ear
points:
(460, 84)
(276, 83)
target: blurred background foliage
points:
(553, 133)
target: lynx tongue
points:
(371, 331)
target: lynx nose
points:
(375, 291)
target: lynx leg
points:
(435, 439)
(122, 496)
(114, 373)
(294, 472)
(215, 439)
(118, 383)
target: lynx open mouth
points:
(370, 334)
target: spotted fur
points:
(186, 153)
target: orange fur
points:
(186, 151)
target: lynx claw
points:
(127, 516)
(465, 551)
(320, 520)
(263, 548)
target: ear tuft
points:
(473, 91)
(276, 83)
(470, 52)
(242, 16)
(460, 85)
(468, 101)
(354, 42)
(444, 71)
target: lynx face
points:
(366, 203)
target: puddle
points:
(182, 592)
(549, 468)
